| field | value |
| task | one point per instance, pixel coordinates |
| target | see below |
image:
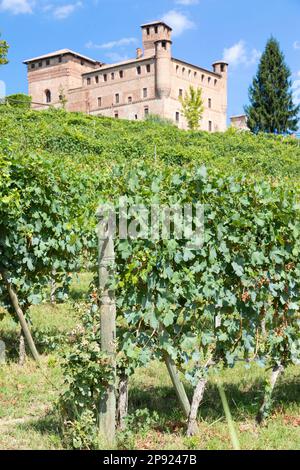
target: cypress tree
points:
(271, 107)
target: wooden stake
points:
(178, 385)
(26, 330)
(107, 407)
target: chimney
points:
(139, 53)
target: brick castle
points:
(151, 83)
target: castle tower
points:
(157, 43)
(221, 68)
(163, 68)
(152, 32)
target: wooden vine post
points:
(107, 406)
(178, 385)
(15, 303)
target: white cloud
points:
(178, 21)
(187, 2)
(63, 11)
(296, 45)
(110, 45)
(17, 7)
(238, 54)
(115, 57)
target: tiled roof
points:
(58, 53)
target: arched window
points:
(48, 96)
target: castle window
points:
(195, 74)
(121, 73)
(136, 117)
(112, 76)
(202, 77)
(180, 92)
(129, 99)
(216, 82)
(99, 102)
(145, 92)
(183, 70)
(48, 62)
(117, 98)
(139, 70)
(82, 62)
(105, 77)
(177, 68)
(210, 126)
(97, 79)
(40, 64)
(164, 45)
(32, 66)
(156, 29)
(116, 115)
(222, 67)
(209, 102)
(60, 60)
(190, 72)
(146, 111)
(148, 31)
(148, 67)
(48, 96)
(209, 79)
(88, 81)
(177, 116)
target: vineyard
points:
(190, 322)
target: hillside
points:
(97, 140)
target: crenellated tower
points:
(157, 43)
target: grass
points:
(28, 419)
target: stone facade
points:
(239, 122)
(149, 84)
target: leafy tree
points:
(272, 109)
(192, 107)
(62, 97)
(19, 100)
(3, 51)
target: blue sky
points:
(108, 30)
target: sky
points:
(204, 31)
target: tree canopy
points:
(192, 107)
(3, 51)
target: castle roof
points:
(60, 53)
(119, 64)
(156, 22)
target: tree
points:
(192, 107)
(3, 51)
(19, 100)
(62, 97)
(271, 107)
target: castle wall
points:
(214, 95)
(55, 77)
(126, 84)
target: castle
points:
(151, 83)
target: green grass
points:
(28, 418)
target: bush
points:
(19, 100)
